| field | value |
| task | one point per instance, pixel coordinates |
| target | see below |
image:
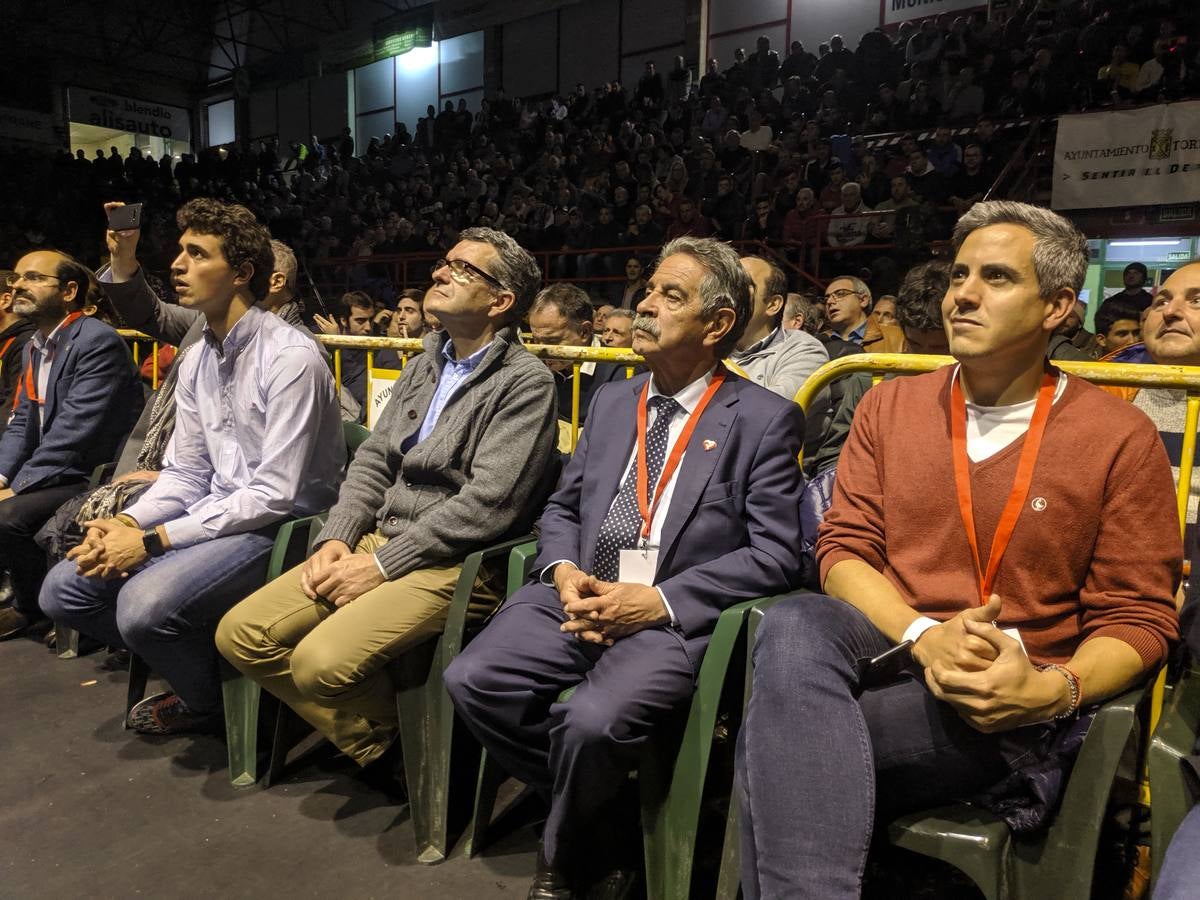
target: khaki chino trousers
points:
(330, 664)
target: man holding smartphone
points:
(1032, 585)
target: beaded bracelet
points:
(1072, 682)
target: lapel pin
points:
(710, 445)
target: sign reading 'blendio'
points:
(127, 114)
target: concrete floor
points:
(89, 809)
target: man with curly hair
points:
(257, 438)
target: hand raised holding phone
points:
(124, 231)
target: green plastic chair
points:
(427, 716)
(1171, 796)
(66, 638)
(671, 786)
(1055, 863)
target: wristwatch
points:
(152, 542)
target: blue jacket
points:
(732, 531)
(93, 397)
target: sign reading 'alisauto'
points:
(127, 114)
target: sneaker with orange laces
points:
(166, 713)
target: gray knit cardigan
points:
(479, 477)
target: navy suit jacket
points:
(92, 400)
(732, 531)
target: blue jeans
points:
(1180, 875)
(167, 610)
(817, 760)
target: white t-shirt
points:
(992, 428)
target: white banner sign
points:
(126, 114)
(1135, 157)
(27, 125)
(380, 383)
(893, 12)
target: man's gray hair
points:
(1060, 250)
(285, 262)
(514, 268)
(726, 286)
(571, 302)
(858, 286)
(620, 314)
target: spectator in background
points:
(635, 284)
(561, 316)
(799, 225)
(1072, 335)
(847, 306)
(884, 310)
(599, 316)
(758, 136)
(727, 209)
(944, 154)
(799, 63)
(650, 90)
(765, 224)
(929, 184)
(1118, 325)
(801, 312)
(256, 438)
(688, 222)
(1119, 78)
(15, 331)
(77, 399)
(847, 228)
(969, 184)
(358, 321)
(679, 82)
(762, 68)
(408, 320)
(1134, 276)
(776, 358)
(618, 329)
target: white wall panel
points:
(813, 21)
(461, 60)
(633, 67)
(416, 85)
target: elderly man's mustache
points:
(647, 325)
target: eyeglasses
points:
(462, 272)
(839, 294)
(33, 277)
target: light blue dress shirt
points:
(454, 373)
(258, 435)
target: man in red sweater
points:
(1032, 581)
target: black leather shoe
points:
(549, 883)
(616, 885)
(13, 623)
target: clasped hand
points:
(985, 675)
(338, 574)
(110, 549)
(601, 612)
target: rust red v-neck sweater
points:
(1096, 550)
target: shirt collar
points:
(757, 346)
(689, 396)
(239, 335)
(50, 341)
(470, 363)
(857, 334)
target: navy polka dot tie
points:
(623, 524)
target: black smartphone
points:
(125, 218)
(884, 668)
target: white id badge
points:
(638, 566)
(1016, 636)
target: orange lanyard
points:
(646, 506)
(1021, 484)
(30, 386)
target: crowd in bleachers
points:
(543, 170)
(959, 595)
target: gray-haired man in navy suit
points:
(683, 502)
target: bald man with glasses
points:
(458, 461)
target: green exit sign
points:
(401, 42)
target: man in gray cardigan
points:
(458, 460)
